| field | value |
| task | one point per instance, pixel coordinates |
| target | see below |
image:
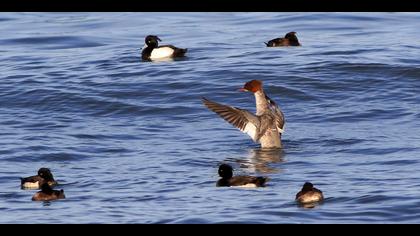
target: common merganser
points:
(48, 194)
(35, 182)
(309, 194)
(289, 39)
(152, 51)
(265, 127)
(228, 180)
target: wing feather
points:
(279, 116)
(240, 118)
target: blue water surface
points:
(131, 142)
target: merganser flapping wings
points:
(265, 127)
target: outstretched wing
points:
(277, 113)
(240, 118)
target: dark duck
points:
(228, 180)
(309, 194)
(36, 181)
(152, 50)
(289, 39)
(48, 194)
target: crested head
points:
(43, 170)
(45, 173)
(152, 40)
(291, 36)
(253, 86)
(225, 171)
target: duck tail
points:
(261, 181)
(184, 51)
(180, 52)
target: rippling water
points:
(131, 142)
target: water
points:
(131, 142)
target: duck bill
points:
(243, 90)
(144, 46)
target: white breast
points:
(310, 198)
(251, 130)
(161, 52)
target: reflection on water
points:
(76, 96)
(260, 160)
(164, 59)
(309, 205)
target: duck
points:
(35, 182)
(309, 194)
(290, 39)
(152, 50)
(264, 127)
(228, 180)
(48, 194)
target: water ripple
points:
(131, 142)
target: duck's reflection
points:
(260, 160)
(165, 59)
(309, 205)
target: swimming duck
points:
(309, 194)
(265, 127)
(289, 39)
(228, 180)
(152, 50)
(35, 182)
(48, 194)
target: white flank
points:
(30, 185)
(246, 186)
(161, 53)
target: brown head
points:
(46, 188)
(307, 187)
(252, 86)
(291, 36)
